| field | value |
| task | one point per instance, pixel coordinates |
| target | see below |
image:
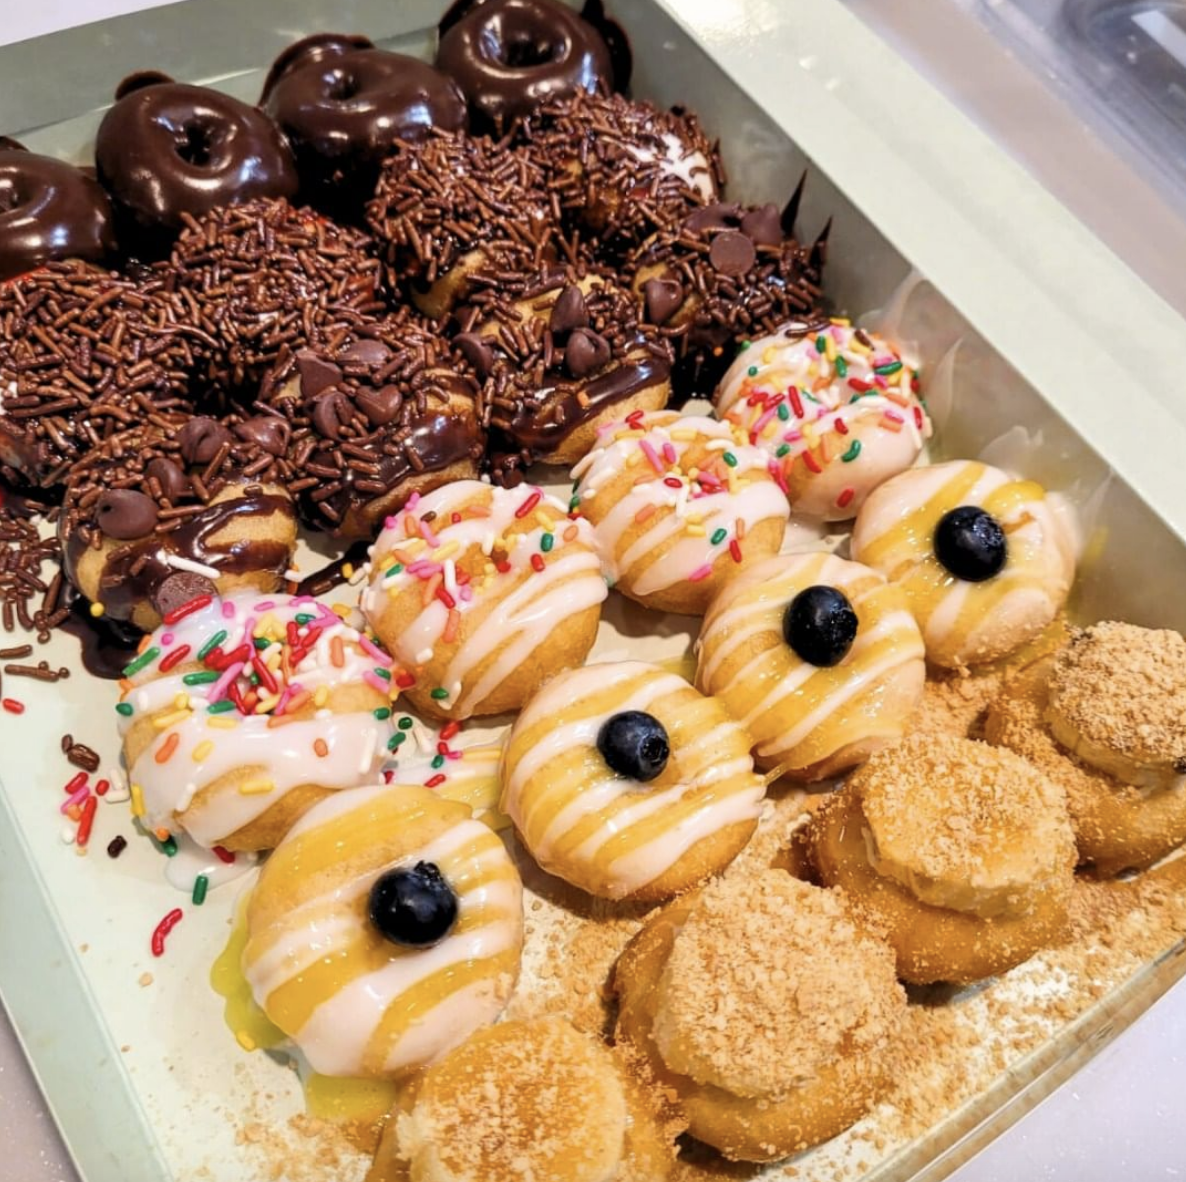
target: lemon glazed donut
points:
(818, 659)
(385, 929)
(679, 505)
(481, 594)
(626, 782)
(986, 560)
(961, 852)
(764, 1008)
(241, 713)
(1103, 718)
(528, 1099)
(836, 406)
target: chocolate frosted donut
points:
(167, 149)
(343, 104)
(509, 56)
(49, 210)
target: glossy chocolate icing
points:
(49, 210)
(343, 104)
(166, 149)
(509, 56)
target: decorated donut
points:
(510, 56)
(679, 506)
(482, 594)
(818, 659)
(344, 105)
(986, 561)
(83, 354)
(382, 410)
(384, 930)
(626, 782)
(240, 714)
(1103, 719)
(837, 407)
(764, 1009)
(49, 210)
(166, 150)
(565, 352)
(961, 852)
(454, 208)
(528, 1099)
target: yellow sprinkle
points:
(413, 545)
(694, 531)
(320, 696)
(181, 701)
(273, 657)
(201, 750)
(164, 721)
(829, 348)
(627, 433)
(544, 520)
(97, 609)
(769, 354)
(137, 801)
(446, 551)
(341, 610)
(215, 723)
(265, 705)
(633, 458)
(245, 1040)
(256, 787)
(843, 321)
(269, 628)
(693, 473)
(857, 347)
(682, 435)
(347, 570)
(488, 570)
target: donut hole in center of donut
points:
(11, 196)
(521, 50)
(343, 86)
(196, 142)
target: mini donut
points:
(1103, 719)
(626, 782)
(344, 105)
(720, 276)
(510, 56)
(527, 1099)
(179, 507)
(764, 1009)
(838, 408)
(483, 593)
(818, 659)
(986, 560)
(384, 930)
(213, 749)
(565, 352)
(165, 150)
(83, 354)
(454, 207)
(963, 854)
(382, 410)
(679, 506)
(264, 279)
(49, 210)
(622, 169)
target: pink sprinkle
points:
(265, 606)
(228, 610)
(880, 382)
(709, 480)
(326, 614)
(368, 646)
(423, 568)
(412, 501)
(838, 334)
(376, 682)
(764, 418)
(669, 453)
(77, 798)
(167, 639)
(775, 469)
(428, 535)
(893, 416)
(884, 359)
(390, 522)
(466, 592)
(219, 688)
(652, 456)
(701, 572)
(453, 754)
(296, 600)
(792, 437)
(285, 694)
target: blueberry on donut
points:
(343, 104)
(166, 150)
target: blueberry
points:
(820, 625)
(415, 906)
(970, 544)
(634, 744)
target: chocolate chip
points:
(380, 406)
(720, 216)
(732, 253)
(569, 311)
(331, 412)
(268, 432)
(477, 351)
(316, 374)
(662, 297)
(368, 352)
(178, 589)
(168, 474)
(123, 513)
(200, 440)
(586, 352)
(763, 225)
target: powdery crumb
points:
(144, 980)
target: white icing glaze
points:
(691, 167)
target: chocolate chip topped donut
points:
(49, 210)
(343, 104)
(166, 149)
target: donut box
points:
(1061, 376)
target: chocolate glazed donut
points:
(166, 149)
(343, 104)
(509, 56)
(49, 210)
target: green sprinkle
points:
(254, 679)
(211, 645)
(392, 571)
(405, 723)
(395, 740)
(382, 713)
(201, 885)
(304, 618)
(145, 658)
(752, 371)
(745, 345)
(886, 370)
(784, 411)
(124, 708)
(782, 450)
(729, 459)
(440, 693)
(854, 450)
(841, 367)
(438, 761)
(169, 847)
(718, 536)
(574, 503)
(260, 643)
(547, 542)
(821, 345)
(203, 678)
(220, 707)
(809, 397)
(379, 671)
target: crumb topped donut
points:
(527, 1099)
(483, 593)
(239, 714)
(837, 407)
(986, 560)
(765, 1009)
(819, 660)
(385, 929)
(962, 852)
(679, 505)
(626, 782)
